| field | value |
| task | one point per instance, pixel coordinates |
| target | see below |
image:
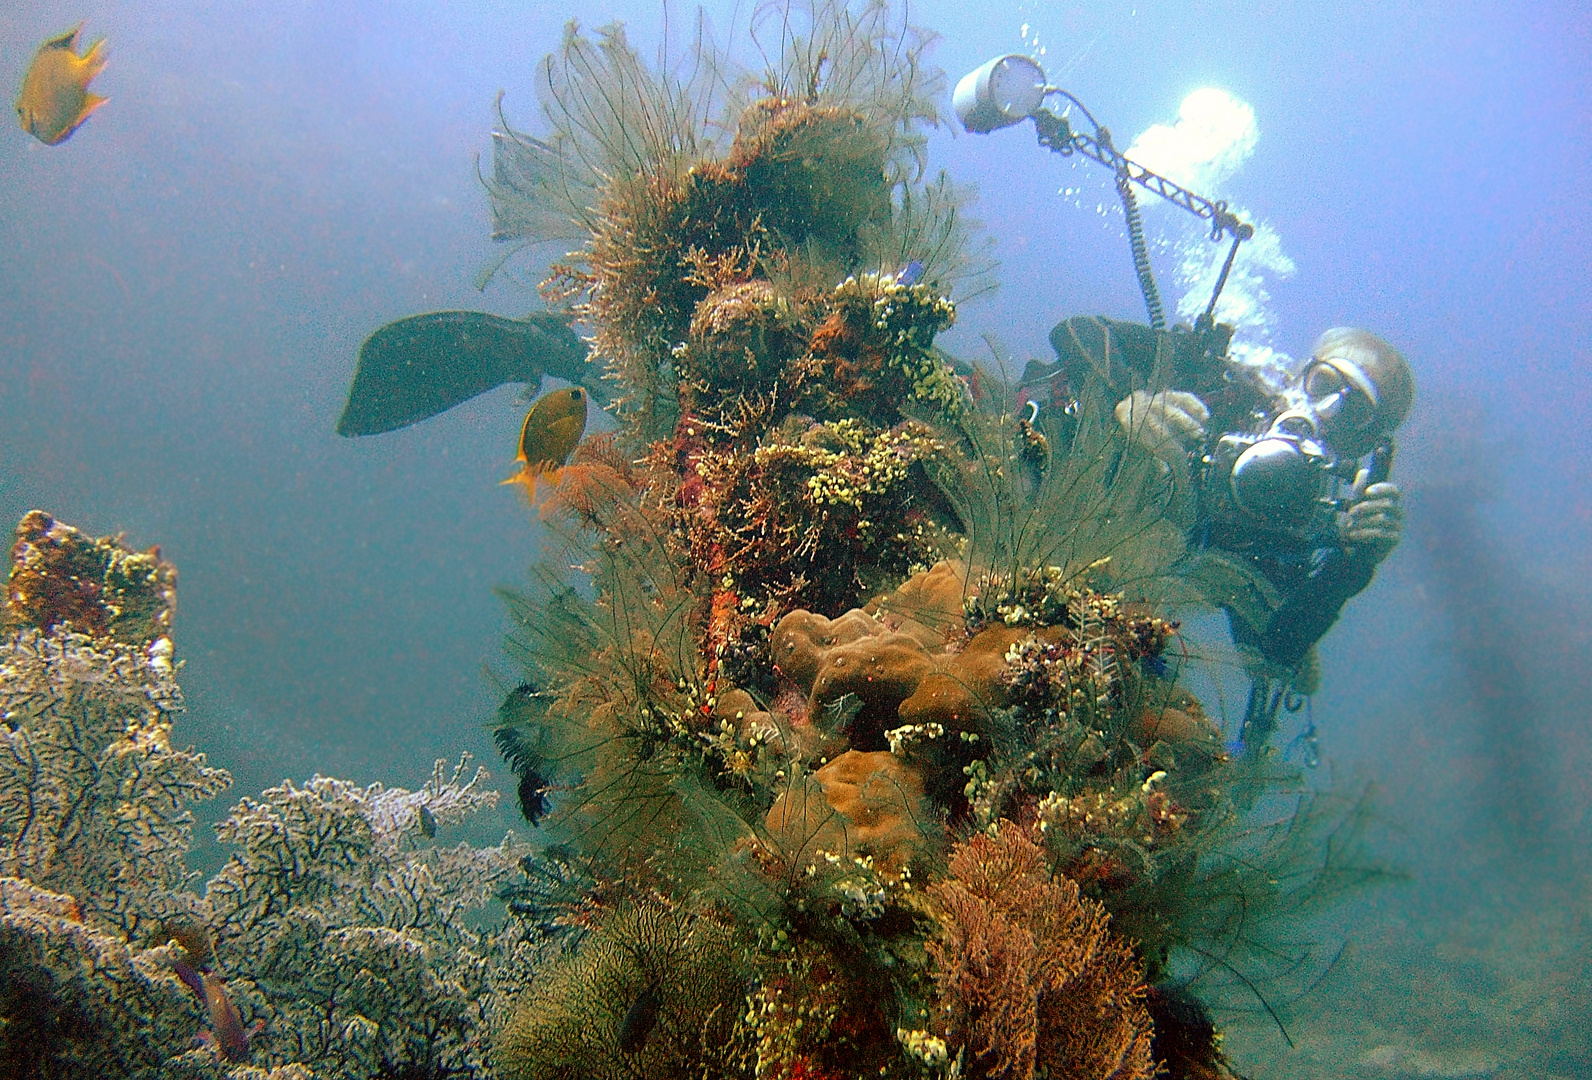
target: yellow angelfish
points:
(551, 431)
(55, 98)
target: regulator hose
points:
(1141, 254)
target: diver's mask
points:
(1282, 475)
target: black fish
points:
(428, 822)
(639, 1021)
(416, 367)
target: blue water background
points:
(184, 285)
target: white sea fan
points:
(338, 924)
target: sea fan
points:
(1028, 973)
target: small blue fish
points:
(910, 273)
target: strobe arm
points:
(1057, 134)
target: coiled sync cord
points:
(1141, 253)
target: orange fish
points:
(227, 1037)
(55, 98)
(551, 431)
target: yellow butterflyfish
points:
(551, 431)
(55, 100)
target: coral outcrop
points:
(840, 620)
(830, 652)
(97, 587)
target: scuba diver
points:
(1296, 507)
(1284, 493)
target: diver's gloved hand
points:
(1375, 515)
(1168, 424)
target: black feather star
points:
(519, 740)
(533, 801)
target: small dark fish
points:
(533, 803)
(428, 822)
(190, 975)
(639, 1021)
(910, 274)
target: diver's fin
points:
(422, 365)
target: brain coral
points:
(859, 803)
(899, 669)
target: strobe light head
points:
(1003, 92)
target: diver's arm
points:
(1169, 423)
(1308, 611)
(1169, 426)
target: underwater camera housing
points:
(1283, 475)
(1280, 474)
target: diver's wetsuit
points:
(1307, 566)
(1311, 569)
